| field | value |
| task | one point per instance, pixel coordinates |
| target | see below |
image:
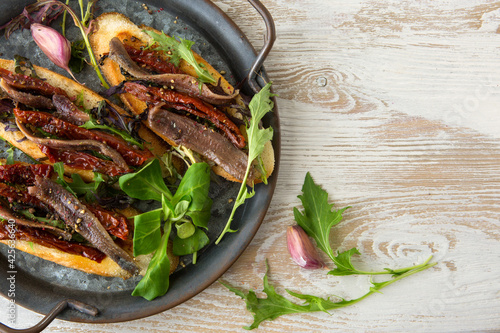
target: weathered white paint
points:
(405, 131)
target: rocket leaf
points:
(317, 220)
(181, 49)
(276, 305)
(259, 106)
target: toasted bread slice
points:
(91, 99)
(110, 25)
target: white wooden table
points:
(394, 107)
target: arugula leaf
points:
(317, 220)
(344, 265)
(156, 282)
(259, 106)
(55, 223)
(86, 189)
(78, 187)
(92, 124)
(276, 305)
(178, 50)
(59, 169)
(146, 184)
(10, 152)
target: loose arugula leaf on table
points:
(317, 220)
(276, 305)
(259, 106)
(191, 199)
(181, 49)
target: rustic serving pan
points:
(49, 289)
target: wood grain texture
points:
(394, 107)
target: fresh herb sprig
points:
(10, 152)
(77, 186)
(258, 137)
(276, 305)
(317, 220)
(181, 49)
(94, 123)
(190, 200)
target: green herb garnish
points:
(259, 106)
(10, 152)
(97, 124)
(181, 49)
(317, 220)
(190, 200)
(78, 187)
(276, 305)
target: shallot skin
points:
(301, 248)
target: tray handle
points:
(67, 303)
(269, 39)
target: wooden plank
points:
(393, 106)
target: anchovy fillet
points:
(80, 218)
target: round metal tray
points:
(44, 287)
